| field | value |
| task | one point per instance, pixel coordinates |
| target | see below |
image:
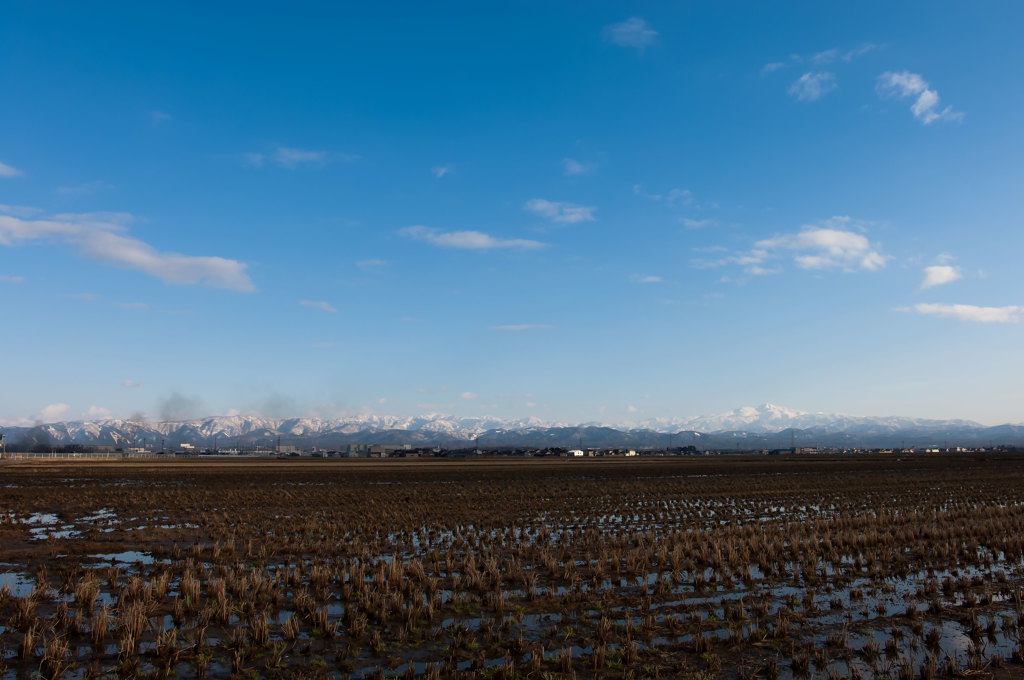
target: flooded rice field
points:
(725, 567)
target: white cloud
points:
(51, 413)
(101, 236)
(79, 190)
(1009, 314)
(20, 210)
(632, 409)
(372, 264)
(291, 158)
(772, 67)
(826, 56)
(467, 396)
(940, 274)
(8, 171)
(133, 383)
(671, 197)
(859, 51)
(519, 327)
(560, 211)
(695, 224)
(640, 278)
(319, 304)
(12, 279)
(571, 167)
(829, 245)
(158, 117)
(812, 86)
(675, 196)
(97, 413)
(382, 400)
(822, 247)
(466, 240)
(633, 32)
(441, 170)
(835, 54)
(926, 106)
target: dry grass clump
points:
(632, 568)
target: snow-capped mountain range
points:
(761, 426)
(771, 418)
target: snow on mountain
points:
(771, 418)
(763, 420)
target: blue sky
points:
(576, 211)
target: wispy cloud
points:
(823, 58)
(642, 278)
(850, 55)
(1008, 314)
(12, 279)
(467, 240)
(85, 189)
(926, 103)
(8, 171)
(319, 304)
(813, 85)
(633, 32)
(671, 197)
(440, 171)
(940, 274)
(571, 167)
(158, 117)
(468, 396)
(291, 158)
(829, 245)
(103, 237)
(372, 265)
(560, 211)
(519, 327)
(133, 383)
(21, 210)
(695, 224)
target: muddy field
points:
(730, 567)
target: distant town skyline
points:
(599, 212)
